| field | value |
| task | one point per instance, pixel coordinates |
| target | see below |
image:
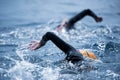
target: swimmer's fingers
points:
(36, 46)
(30, 45)
(33, 42)
(64, 21)
(33, 45)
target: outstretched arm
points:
(55, 39)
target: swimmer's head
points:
(88, 54)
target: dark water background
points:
(24, 20)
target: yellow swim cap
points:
(88, 54)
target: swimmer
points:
(70, 24)
(73, 55)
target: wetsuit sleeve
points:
(57, 41)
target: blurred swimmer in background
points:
(67, 25)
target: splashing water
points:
(44, 65)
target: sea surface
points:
(22, 21)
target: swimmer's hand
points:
(99, 19)
(34, 45)
(63, 24)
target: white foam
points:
(50, 74)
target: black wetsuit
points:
(79, 16)
(72, 54)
